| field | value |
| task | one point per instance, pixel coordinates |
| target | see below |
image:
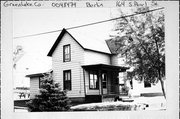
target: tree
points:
(51, 97)
(140, 38)
(17, 54)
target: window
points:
(40, 81)
(104, 80)
(67, 79)
(93, 80)
(147, 84)
(66, 53)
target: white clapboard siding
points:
(34, 86)
(74, 65)
(91, 57)
(114, 60)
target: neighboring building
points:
(35, 82)
(143, 88)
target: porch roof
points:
(105, 66)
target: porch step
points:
(123, 94)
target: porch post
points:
(118, 82)
(100, 82)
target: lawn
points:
(109, 106)
(141, 103)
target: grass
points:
(114, 106)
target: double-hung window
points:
(67, 79)
(67, 53)
(93, 80)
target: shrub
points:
(51, 97)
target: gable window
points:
(67, 79)
(93, 80)
(147, 84)
(66, 53)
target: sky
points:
(33, 21)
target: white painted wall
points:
(91, 57)
(115, 60)
(34, 86)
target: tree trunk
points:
(162, 86)
(162, 83)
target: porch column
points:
(100, 82)
(108, 82)
(117, 81)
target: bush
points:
(51, 97)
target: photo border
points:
(172, 71)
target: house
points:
(83, 66)
(144, 88)
(89, 70)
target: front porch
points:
(101, 81)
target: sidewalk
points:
(153, 103)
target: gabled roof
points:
(86, 42)
(39, 74)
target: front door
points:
(104, 82)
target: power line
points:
(89, 23)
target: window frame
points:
(97, 85)
(64, 58)
(66, 81)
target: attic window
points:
(66, 53)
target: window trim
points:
(64, 71)
(97, 86)
(64, 60)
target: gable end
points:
(59, 39)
